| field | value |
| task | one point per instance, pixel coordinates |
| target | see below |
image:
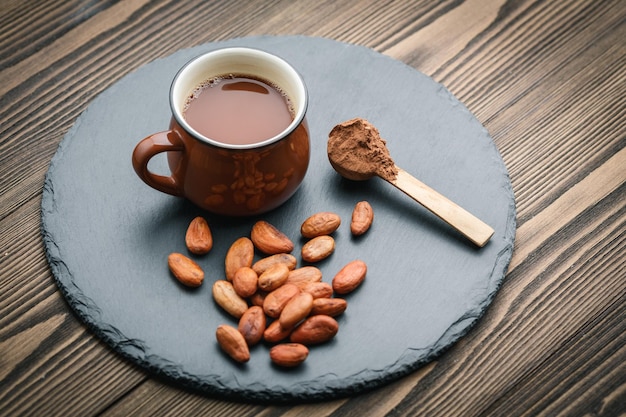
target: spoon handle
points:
(466, 223)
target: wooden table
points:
(546, 78)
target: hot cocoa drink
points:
(238, 140)
(238, 110)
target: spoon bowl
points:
(351, 174)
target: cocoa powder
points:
(357, 146)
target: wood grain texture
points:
(545, 78)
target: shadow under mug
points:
(230, 179)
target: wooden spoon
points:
(356, 152)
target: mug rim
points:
(298, 118)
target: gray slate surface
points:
(107, 234)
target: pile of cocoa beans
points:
(272, 299)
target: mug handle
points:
(166, 141)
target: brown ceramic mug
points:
(222, 177)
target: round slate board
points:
(107, 235)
